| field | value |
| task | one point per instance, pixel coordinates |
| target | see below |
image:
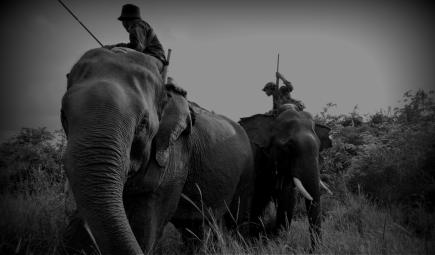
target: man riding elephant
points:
(140, 154)
(141, 34)
(281, 95)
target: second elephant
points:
(286, 148)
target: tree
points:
(418, 106)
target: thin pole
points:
(274, 96)
(75, 17)
(277, 70)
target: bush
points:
(32, 223)
(31, 161)
(390, 158)
(399, 170)
(32, 199)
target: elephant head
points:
(121, 122)
(286, 151)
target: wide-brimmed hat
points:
(129, 11)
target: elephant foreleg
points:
(259, 203)
(147, 219)
(238, 216)
(149, 214)
(144, 220)
(286, 202)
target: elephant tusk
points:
(301, 188)
(323, 185)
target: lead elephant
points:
(135, 145)
(286, 148)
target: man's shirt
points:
(144, 39)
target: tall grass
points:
(31, 224)
(355, 226)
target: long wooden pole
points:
(277, 70)
(75, 17)
(277, 85)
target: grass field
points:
(33, 224)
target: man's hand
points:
(286, 82)
(280, 76)
(109, 47)
(122, 45)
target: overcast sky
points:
(347, 52)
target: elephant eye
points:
(143, 125)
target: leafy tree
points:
(389, 157)
(418, 106)
(31, 160)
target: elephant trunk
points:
(96, 162)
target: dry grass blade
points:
(191, 202)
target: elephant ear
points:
(176, 119)
(322, 133)
(258, 127)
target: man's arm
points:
(144, 39)
(286, 82)
(155, 47)
(137, 37)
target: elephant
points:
(140, 155)
(286, 149)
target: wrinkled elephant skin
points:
(135, 145)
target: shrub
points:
(31, 161)
(399, 170)
(32, 202)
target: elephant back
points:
(114, 65)
(215, 126)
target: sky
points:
(365, 53)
